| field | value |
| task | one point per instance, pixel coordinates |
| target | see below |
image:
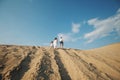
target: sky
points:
(83, 24)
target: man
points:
(61, 42)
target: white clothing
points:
(51, 44)
(61, 39)
(55, 43)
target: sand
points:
(42, 63)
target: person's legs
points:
(55, 46)
(62, 44)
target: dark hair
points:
(55, 38)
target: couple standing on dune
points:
(54, 43)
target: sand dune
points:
(42, 63)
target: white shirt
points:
(61, 39)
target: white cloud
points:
(118, 11)
(68, 37)
(75, 28)
(103, 27)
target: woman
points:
(55, 43)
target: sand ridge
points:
(42, 63)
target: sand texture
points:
(43, 63)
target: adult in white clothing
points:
(55, 42)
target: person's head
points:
(61, 37)
(51, 41)
(55, 38)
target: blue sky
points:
(83, 24)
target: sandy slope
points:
(42, 63)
